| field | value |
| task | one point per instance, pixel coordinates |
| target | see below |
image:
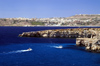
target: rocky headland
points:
(86, 37)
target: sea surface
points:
(45, 51)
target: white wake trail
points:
(58, 47)
(18, 51)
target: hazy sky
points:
(47, 8)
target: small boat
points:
(24, 50)
(59, 47)
(29, 49)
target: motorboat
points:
(59, 47)
(29, 49)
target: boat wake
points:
(58, 47)
(18, 51)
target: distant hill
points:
(76, 20)
(85, 16)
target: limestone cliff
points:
(86, 37)
(65, 33)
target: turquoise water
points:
(45, 51)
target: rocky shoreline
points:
(90, 44)
(86, 37)
(64, 33)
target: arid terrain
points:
(76, 20)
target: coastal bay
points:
(46, 51)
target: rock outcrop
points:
(86, 37)
(90, 44)
(64, 33)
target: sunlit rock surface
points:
(86, 37)
(64, 33)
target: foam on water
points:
(18, 51)
(58, 47)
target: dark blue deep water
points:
(46, 51)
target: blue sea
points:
(45, 51)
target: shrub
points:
(37, 23)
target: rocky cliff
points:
(64, 33)
(86, 37)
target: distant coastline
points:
(49, 26)
(76, 20)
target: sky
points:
(47, 8)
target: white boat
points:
(59, 46)
(29, 49)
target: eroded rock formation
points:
(64, 33)
(86, 37)
(90, 44)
